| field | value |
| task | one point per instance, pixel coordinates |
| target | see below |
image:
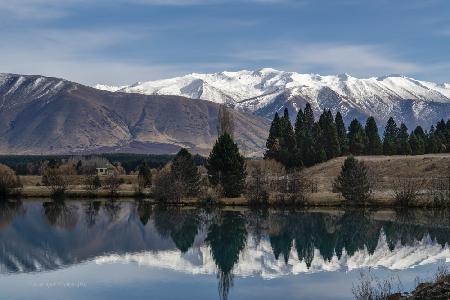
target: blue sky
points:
(123, 41)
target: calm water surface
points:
(132, 250)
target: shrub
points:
(144, 179)
(353, 182)
(92, 182)
(112, 183)
(57, 178)
(257, 189)
(166, 188)
(178, 179)
(9, 183)
(407, 190)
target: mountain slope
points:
(49, 115)
(266, 91)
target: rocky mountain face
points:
(266, 91)
(41, 115)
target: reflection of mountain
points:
(258, 259)
(45, 236)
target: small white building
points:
(105, 171)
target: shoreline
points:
(319, 200)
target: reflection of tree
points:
(8, 209)
(113, 208)
(59, 214)
(180, 224)
(281, 236)
(227, 237)
(144, 210)
(91, 212)
(257, 223)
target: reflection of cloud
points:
(361, 60)
(258, 259)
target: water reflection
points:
(43, 236)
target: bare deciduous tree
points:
(57, 178)
(407, 190)
(112, 183)
(9, 183)
(226, 121)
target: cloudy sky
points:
(124, 41)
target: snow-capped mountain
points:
(267, 91)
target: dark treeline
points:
(312, 141)
(32, 164)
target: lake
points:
(133, 250)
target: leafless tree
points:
(257, 189)
(407, 190)
(226, 121)
(9, 183)
(57, 178)
(112, 183)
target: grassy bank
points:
(385, 170)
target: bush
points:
(178, 179)
(92, 182)
(112, 184)
(353, 182)
(407, 190)
(257, 189)
(57, 178)
(298, 187)
(166, 188)
(9, 183)
(144, 179)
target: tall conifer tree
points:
(342, 133)
(404, 148)
(226, 166)
(390, 138)
(273, 141)
(299, 138)
(374, 146)
(308, 148)
(356, 138)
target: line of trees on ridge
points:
(309, 142)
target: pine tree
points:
(342, 133)
(226, 166)
(184, 171)
(390, 138)
(404, 148)
(328, 140)
(357, 138)
(353, 181)
(287, 141)
(308, 148)
(299, 138)
(319, 154)
(308, 118)
(431, 144)
(373, 146)
(417, 144)
(273, 141)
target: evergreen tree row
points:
(310, 142)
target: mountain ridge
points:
(54, 116)
(266, 91)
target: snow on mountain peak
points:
(265, 91)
